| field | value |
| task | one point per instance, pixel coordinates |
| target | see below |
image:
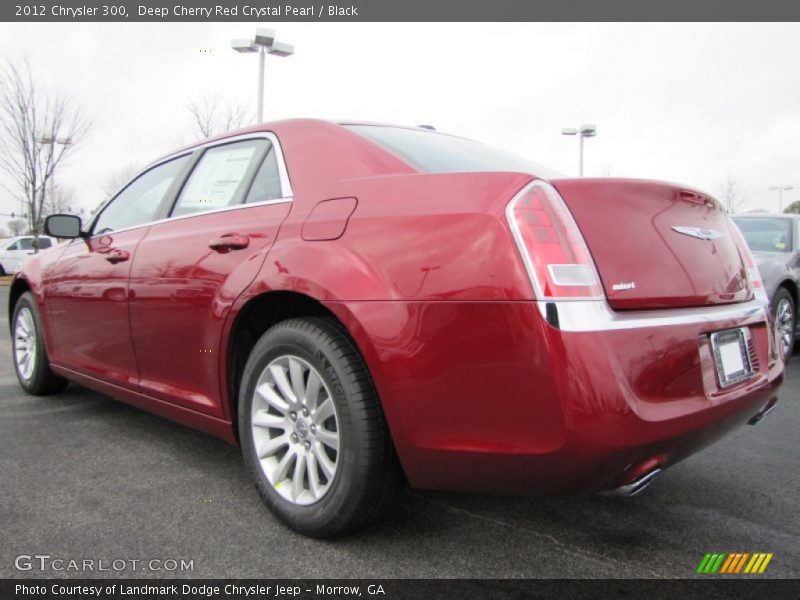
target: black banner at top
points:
(397, 10)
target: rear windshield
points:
(433, 152)
(765, 234)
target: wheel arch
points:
(791, 286)
(18, 287)
(262, 312)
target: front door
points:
(87, 292)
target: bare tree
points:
(38, 129)
(17, 226)
(118, 179)
(58, 200)
(213, 114)
(732, 194)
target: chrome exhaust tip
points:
(767, 409)
(636, 486)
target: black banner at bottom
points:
(392, 589)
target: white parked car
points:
(15, 250)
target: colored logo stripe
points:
(734, 562)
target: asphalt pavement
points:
(83, 477)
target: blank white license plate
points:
(731, 356)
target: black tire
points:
(367, 475)
(2, 271)
(783, 296)
(42, 381)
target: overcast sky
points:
(683, 102)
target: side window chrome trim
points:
(197, 214)
(286, 186)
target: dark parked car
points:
(357, 304)
(774, 241)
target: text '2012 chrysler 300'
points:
(360, 305)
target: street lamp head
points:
(569, 131)
(588, 130)
(265, 37)
(244, 46)
(281, 49)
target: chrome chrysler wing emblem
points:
(699, 233)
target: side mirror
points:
(63, 226)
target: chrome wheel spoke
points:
(312, 390)
(314, 485)
(296, 376)
(264, 419)
(270, 446)
(272, 398)
(294, 428)
(299, 477)
(326, 464)
(282, 382)
(282, 467)
(324, 412)
(329, 438)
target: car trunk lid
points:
(657, 245)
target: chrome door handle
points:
(118, 256)
(229, 241)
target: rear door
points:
(87, 293)
(190, 268)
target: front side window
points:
(766, 234)
(432, 152)
(139, 203)
(25, 244)
(221, 177)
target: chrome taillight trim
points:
(523, 251)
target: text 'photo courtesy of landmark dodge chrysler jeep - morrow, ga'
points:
(360, 306)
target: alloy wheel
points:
(25, 343)
(784, 322)
(295, 430)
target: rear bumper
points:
(492, 397)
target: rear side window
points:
(221, 177)
(139, 203)
(433, 152)
(44, 243)
(267, 184)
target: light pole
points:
(780, 189)
(48, 140)
(264, 43)
(583, 131)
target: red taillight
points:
(554, 252)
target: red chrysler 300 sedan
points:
(358, 304)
